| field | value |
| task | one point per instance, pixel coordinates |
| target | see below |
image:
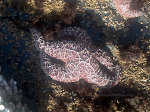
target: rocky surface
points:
(126, 40)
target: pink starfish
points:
(78, 61)
(123, 7)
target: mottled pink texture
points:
(79, 62)
(124, 9)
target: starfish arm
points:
(38, 39)
(65, 51)
(56, 71)
(79, 34)
(103, 58)
(109, 74)
(59, 50)
(46, 63)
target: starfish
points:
(70, 61)
(123, 7)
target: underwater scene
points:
(74, 55)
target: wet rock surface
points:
(127, 41)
